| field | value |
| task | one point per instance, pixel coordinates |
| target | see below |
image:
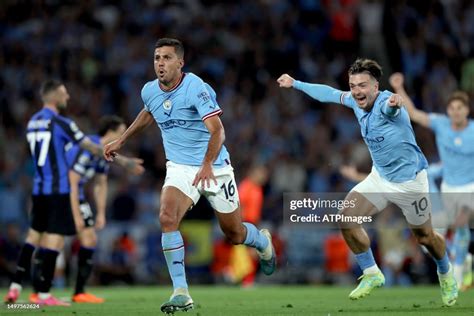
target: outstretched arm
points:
(396, 81)
(89, 145)
(320, 92)
(132, 165)
(143, 119)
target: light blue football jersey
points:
(180, 115)
(456, 149)
(390, 139)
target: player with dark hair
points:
(48, 132)
(83, 167)
(398, 174)
(187, 113)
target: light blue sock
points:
(173, 249)
(462, 237)
(255, 238)
(442, 264)
(365, 259)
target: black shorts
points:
(87, 214)
(52, 214)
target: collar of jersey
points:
(175, 86)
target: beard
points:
(61, 108)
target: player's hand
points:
(79, 223)
(204, 175)
(99, 222)
(395, 100)
(349, 172)
(136, 166)
(110, 150)
(396, 80)
(285, 81)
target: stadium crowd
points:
(103, 51)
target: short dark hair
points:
(364, 65)
(48, 86)
(109, 122)
(178, 46)
(461, 96)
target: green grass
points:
(271, 300)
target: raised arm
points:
(143, 119)
(418, 116)
(320, 92)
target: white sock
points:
(16, 286)
(372, 270)
(43, 296)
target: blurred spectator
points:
(121, 262)
(337, 262)
(243, 262)
(124, 204)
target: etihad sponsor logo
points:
(172, 123)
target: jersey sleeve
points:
(69, 130)
(436, 121)
(385, 108)
(79, 161)
(102, 167)
(145, 97)
(72, 151)
(324, 93)
(203, 97)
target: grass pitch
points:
(271, 300)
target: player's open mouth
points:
(360, 99)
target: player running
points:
(455, 141)
(187, 113)
(398, 174)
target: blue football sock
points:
(462, 237)
(365, 259)
(173, 249)
(255, 238)
(442, 264)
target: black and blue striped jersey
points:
(47, 134)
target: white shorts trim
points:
(223, 197)
(411, 196)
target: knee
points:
(89, 241)
(168, 217)
(236, 235)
